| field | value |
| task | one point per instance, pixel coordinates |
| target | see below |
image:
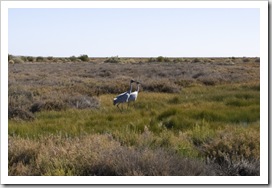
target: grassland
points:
(193, 116)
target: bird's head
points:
(131, 81)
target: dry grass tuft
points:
(19, 114)
(162, 85)
(95, 155)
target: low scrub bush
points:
(58, 104)
(39, 59)
(72, 58)
(209, 81)
(30, 59)
(18, 60)
(235, 150)
(50, 58)
(48, 106)
(98, 155)
(19, 97)
(162, 59)
(115, 59)
(196, 60)
(82, 102)
(184, 82)
(198, 75)
(151, 59)
(19, 114)
(84, 58)
(164, 86)
(245, 60)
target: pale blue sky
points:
(135, 32)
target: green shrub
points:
(73, 58)
(30, 58)
(50, 58)
(84, 58)
(18, 60)
(236, 151)
(19, 114)
(96, 155)
(162, 59)
(150, 60)
(39, 59)
(196, 60)
(164, 86)
(23, 58)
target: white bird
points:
(124, 96)
(133, 95)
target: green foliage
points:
(30, 58)
(167, 113)
(151, 59)
(18, 60)
(73, 58)
(162, 59)
(83, 58)
(50, 58)
(39, 59)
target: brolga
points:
(122, 98)
(133, 96)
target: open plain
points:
(193, 116)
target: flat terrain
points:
(193, 116)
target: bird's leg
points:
(119, 108)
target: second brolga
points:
(133, 96)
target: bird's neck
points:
(130, 88)
(138, 87)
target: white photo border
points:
(262, 179)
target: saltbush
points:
(83, 58)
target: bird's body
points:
(123, 97)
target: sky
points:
(131, 32)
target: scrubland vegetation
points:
(193, 116)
